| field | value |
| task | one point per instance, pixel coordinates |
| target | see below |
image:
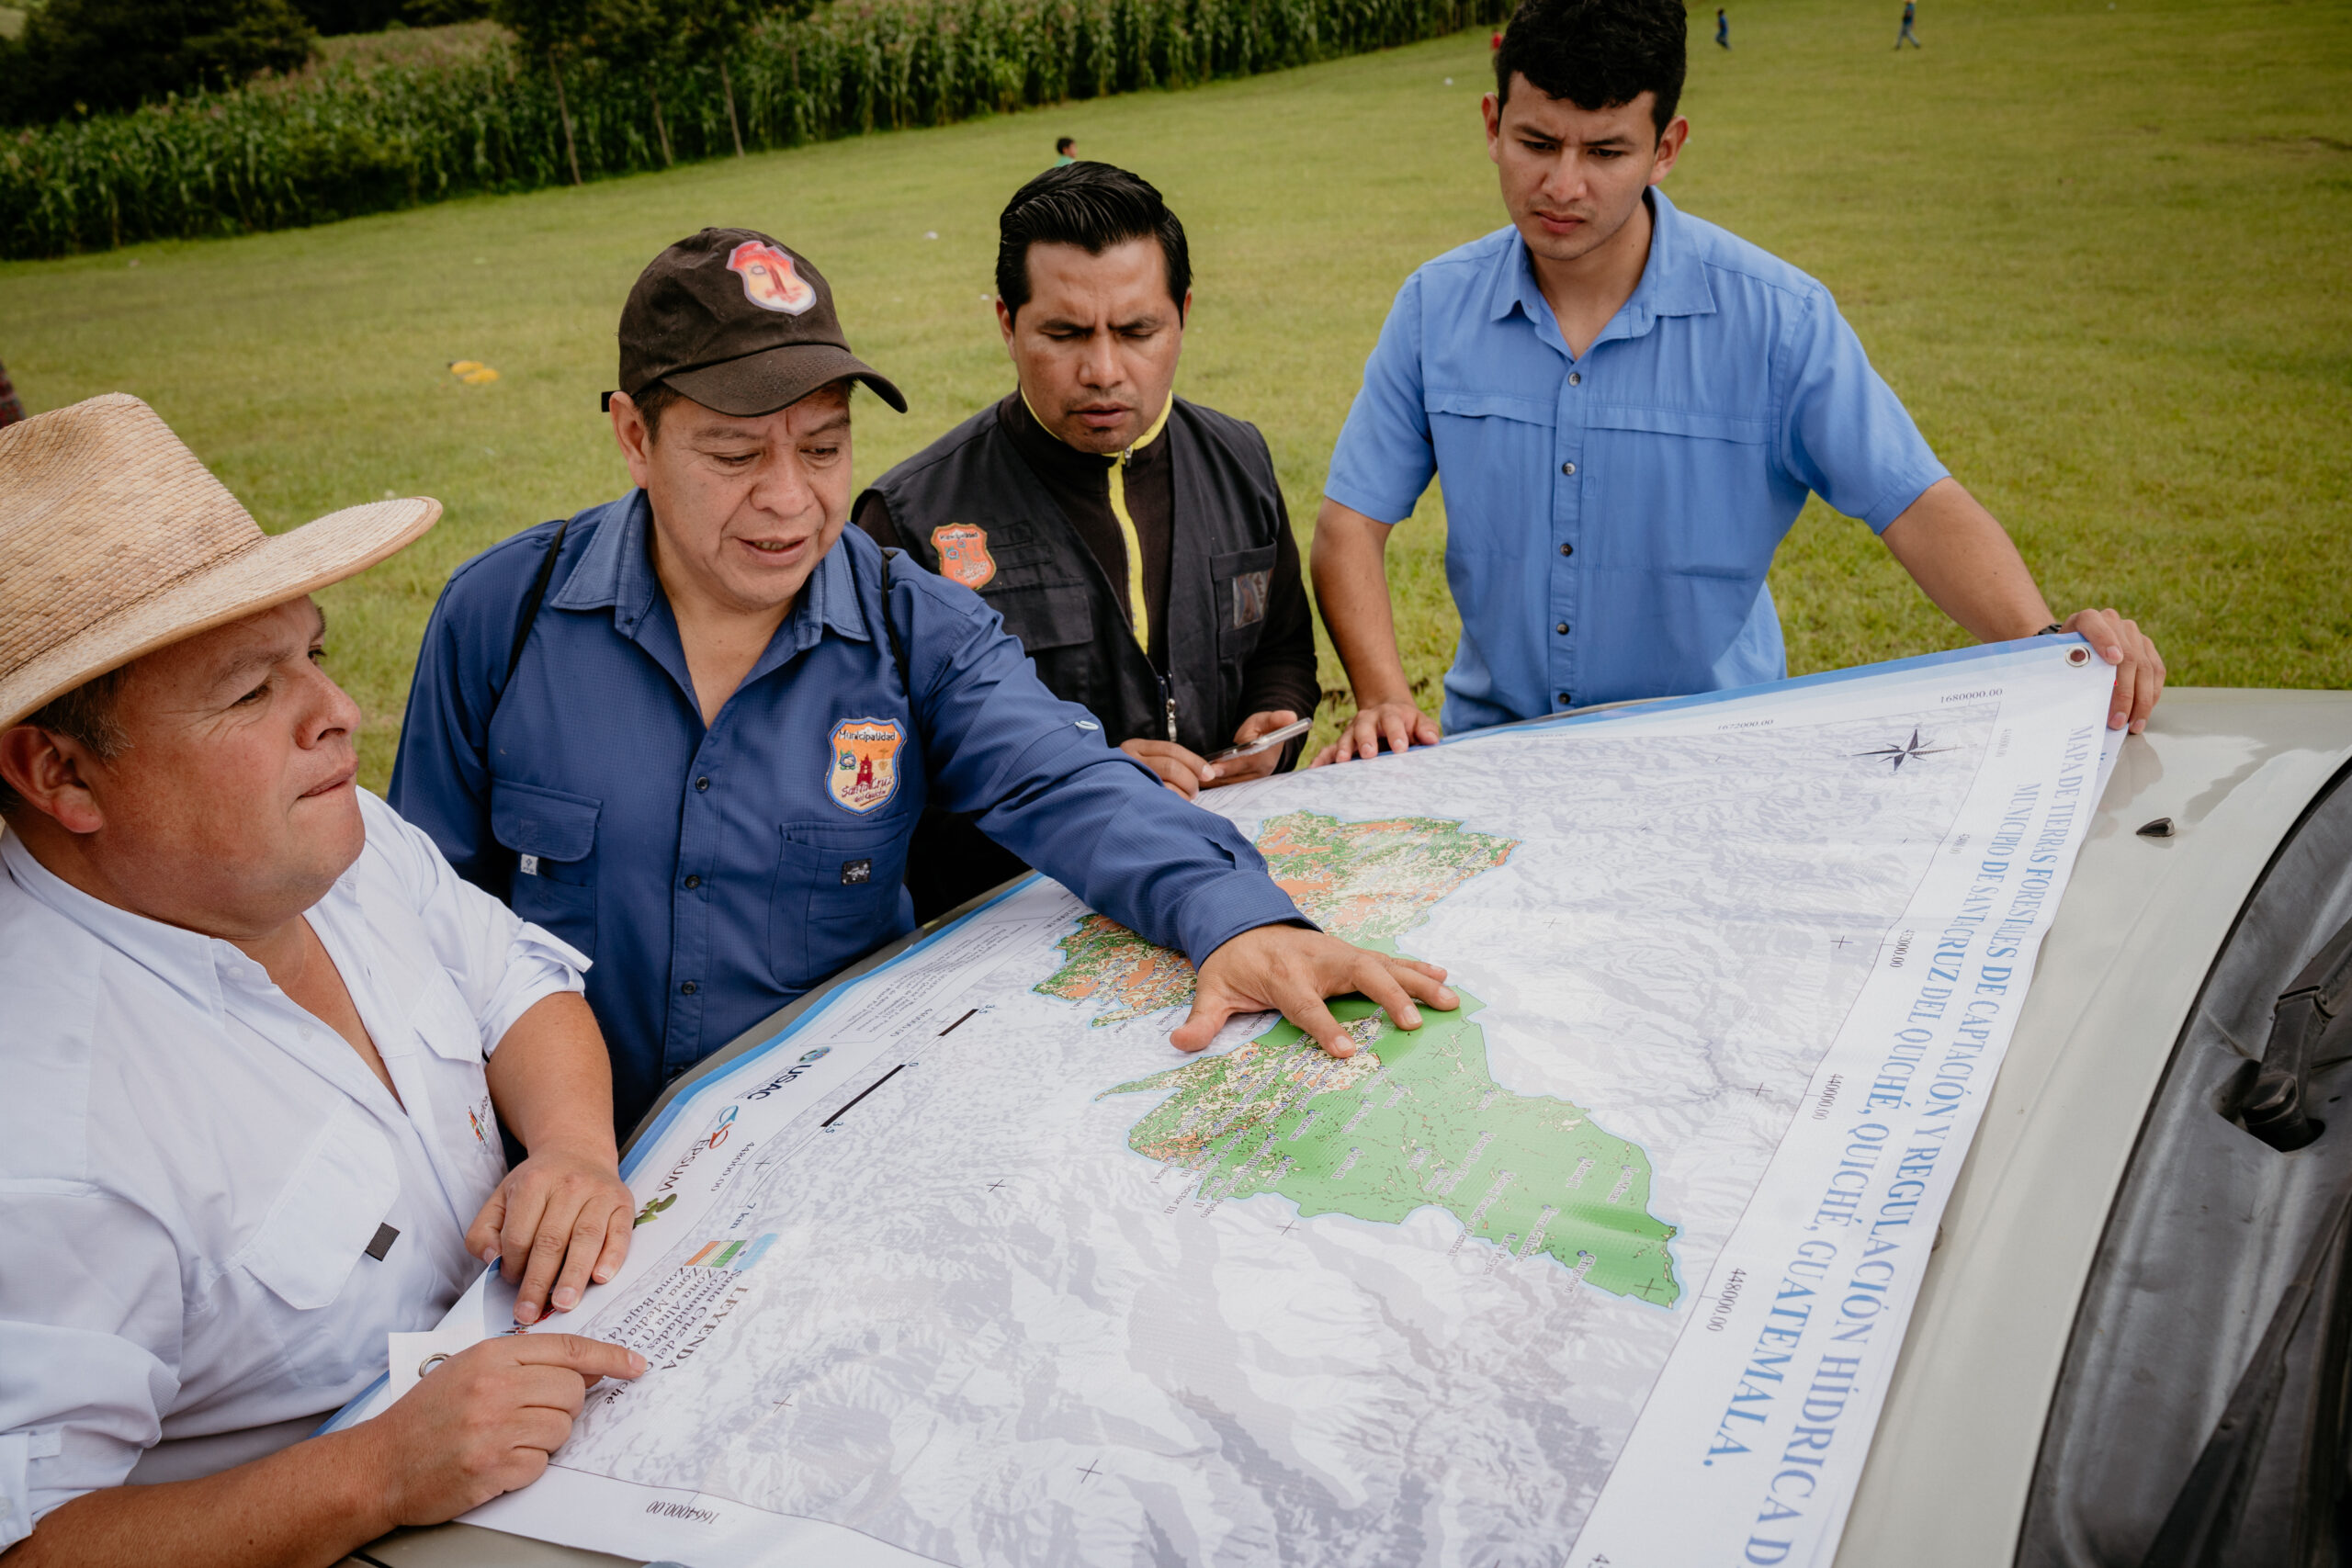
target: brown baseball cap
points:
(739, 322)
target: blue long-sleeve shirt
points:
(714, 874)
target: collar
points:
(827, 600)
(186, 961)
(617, 571)
(1674, 279)
(1035, 441)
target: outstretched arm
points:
(1966, 562)
(1352, 586)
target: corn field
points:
(353, 137)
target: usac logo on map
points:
(964, 554)
(724, 1125)
(788, 1074)
(770, 280)
(864, 772)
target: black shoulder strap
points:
(531, 602)
(890, 630)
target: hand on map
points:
(1401, 724)
(484, 1422)
(1290, 969)
(2139, 669)
(562, 1220)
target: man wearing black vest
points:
(1136, 543)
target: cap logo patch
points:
(770, 280)
(964, 554)
(864, 772)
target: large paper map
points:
(969, 1265)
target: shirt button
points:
(1567, 467)
(1567, 549)
(689, 988)
(1562, 628)
(702, 783)
(1566, 700)
(693, 882)
(1576, 378)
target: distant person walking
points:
(12, 408)
(1065, 149)
(1910, 15)
(1723, 29)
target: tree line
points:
(75, 57)
(478, 112)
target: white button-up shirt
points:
(192, 1167)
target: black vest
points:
(1056, 597)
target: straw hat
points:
(115, 541)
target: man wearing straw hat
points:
(691, 730)
(261, 1042)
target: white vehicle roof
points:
(1954, 1455)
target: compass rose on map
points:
(1904, 752)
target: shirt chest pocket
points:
(1671, 489)
(553, 837)
(1495, 463)
(449, 1101)
(1044, 615)
(316, 1237)
(835, 897)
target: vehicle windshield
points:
(2200, 1416)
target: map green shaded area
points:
(1413, 1118)
(1369, 882)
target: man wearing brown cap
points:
(691, 730)
(260, 1045)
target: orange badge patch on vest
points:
(864, 773)
(964, 554)
(770, 280)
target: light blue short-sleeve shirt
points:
(1610, 520)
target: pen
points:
(1270, 738)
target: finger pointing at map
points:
(1293, 970)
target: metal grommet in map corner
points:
(431, 1361)
(2079, 656)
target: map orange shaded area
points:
(1368, 882)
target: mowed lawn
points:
(2100, 251)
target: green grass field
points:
(2099, 251)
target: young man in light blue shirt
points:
(1627, 407)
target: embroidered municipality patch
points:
(964, 554)
(770, 280)
(864, 772)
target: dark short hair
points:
(1597, 54)
(85, 714)
(652, 400)
(1093, 207)
(1064, 143)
